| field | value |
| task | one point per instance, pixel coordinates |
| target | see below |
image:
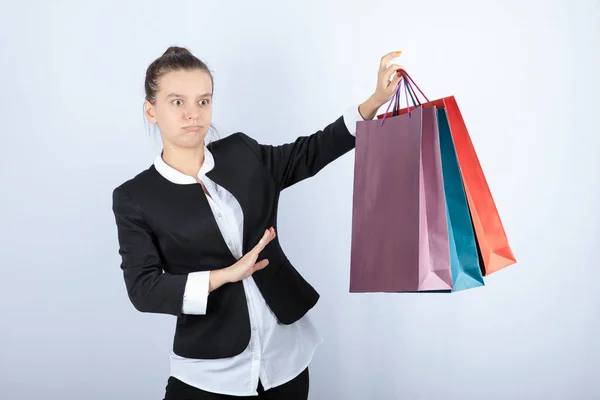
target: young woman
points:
(197, 238)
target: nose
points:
(191, 113)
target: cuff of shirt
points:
(351, 117)
(195, 296)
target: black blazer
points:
(166, 231)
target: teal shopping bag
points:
(464, 258)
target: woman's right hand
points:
(247, 265)
(244, 267)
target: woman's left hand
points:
(385, 87)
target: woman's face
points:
(184, 99)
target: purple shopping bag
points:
(399, 227)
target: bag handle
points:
(411, 93)
(413, 83)
(413, 96)
(396, 100)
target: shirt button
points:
(247, 298)
(219, 215)
(254, 328)
(229, 243)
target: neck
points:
(187, 161)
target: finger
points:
(388, 57)
(385, 60)
(267, 237)
(263, 241)
(260, 265)
(394, 82)
(271, 235)
(393, 69)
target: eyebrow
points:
(181, 95)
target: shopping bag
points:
(495, 251)
(399, 240)
(464, 257)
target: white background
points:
(525, 75)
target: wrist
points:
(218, 278)
(368, 109)
(227, 277)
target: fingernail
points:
(398, 52)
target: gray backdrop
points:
(526, 77)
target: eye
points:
(173, 102)
(206, 100)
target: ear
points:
(149, 112)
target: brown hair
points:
(173, 59)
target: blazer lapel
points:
(224, 174)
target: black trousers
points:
(296, 389)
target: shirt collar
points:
(175, 176)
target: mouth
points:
(192, 128)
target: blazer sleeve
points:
(293, 162)
(149, 288)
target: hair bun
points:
(176, 51)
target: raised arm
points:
(303, 158)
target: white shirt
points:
(276, 353)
